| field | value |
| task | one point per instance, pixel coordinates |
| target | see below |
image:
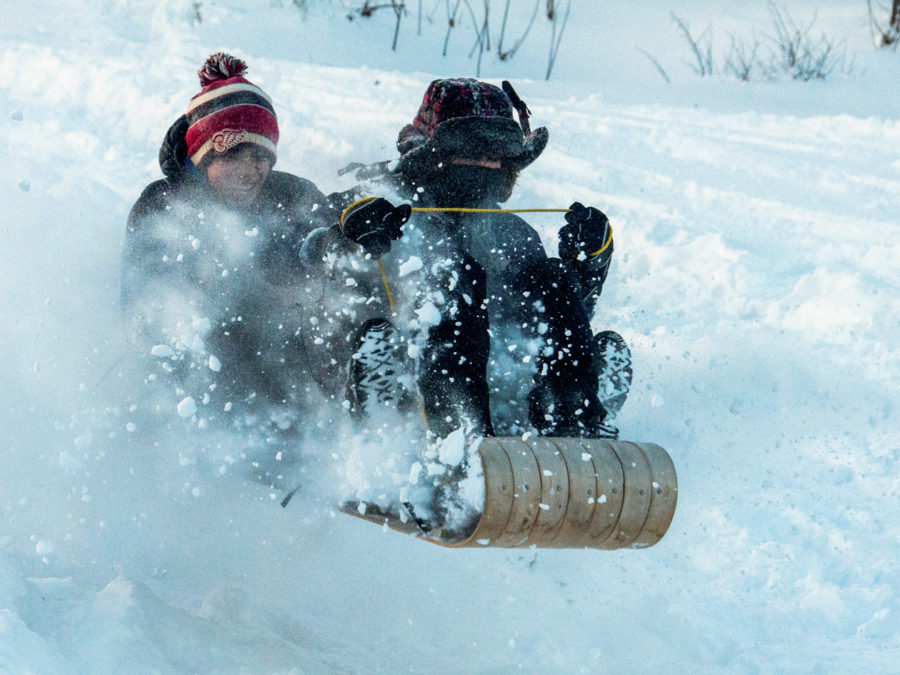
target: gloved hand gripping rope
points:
(373, 222)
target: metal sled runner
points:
(562, 493)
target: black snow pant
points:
(452, 370)
(564, 399)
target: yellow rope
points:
(452, 209)
(456, 209)
(462, 210)
(387, 286)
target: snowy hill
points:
(756, 278)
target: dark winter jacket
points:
(539, 319)
(503, 244)
(216, 287)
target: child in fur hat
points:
(465, 150)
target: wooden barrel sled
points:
(560, 493)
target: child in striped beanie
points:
(229, 111)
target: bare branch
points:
(555, 39)
(704, 65)
(508, 54)
(451, 23)
(399, 9)
(883, 37)
(797, 54)
(655, 62)
(741, 60)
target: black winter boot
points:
(380, 374)
(614, 359)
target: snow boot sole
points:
(614, 358)
(377, 370)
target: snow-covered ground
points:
(756, 277)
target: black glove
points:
(586, 231)
(374, 223)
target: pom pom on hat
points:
(221, 66)
(229, 111)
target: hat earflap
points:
(410, 138)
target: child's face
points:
(238, 176)
(470, 182)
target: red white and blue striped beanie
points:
(229, 111)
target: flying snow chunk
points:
(214, 364)
(428, 314)
(44, 548)
(414, 264)
(164, 351)
(453, 448)
(187, 407)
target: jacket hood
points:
(173, 159)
